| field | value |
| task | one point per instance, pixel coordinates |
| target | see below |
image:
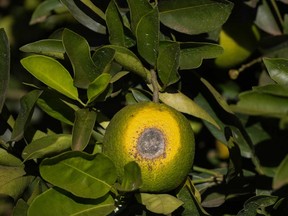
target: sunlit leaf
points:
(63, 204)
(273, 89)
(49, 47)
(160, 203)
(281, 176)
(83, 126)
(83, 18)
(4, 65)
(84, 175)
(52, 73)
(194, 17)
(7, 159)
(27, 103)
(168, 62)
(277, 69)
(47, 146)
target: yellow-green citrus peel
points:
(156, 136)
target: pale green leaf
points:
(281, 177)
(7, 159)
(277, 69)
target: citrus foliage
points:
(97, 57)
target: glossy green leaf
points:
(117, 32)
(83, 18)
(63, 204)
(193, 53)
(255, 103)
(93, 175)
(7, 159)
(47, 146)
(281, 177)
(52, 73)
(52, 104)
(131, 180)
(20, 208)
(277, 69)
(5, 66)
(83, 126)
(98, 86)
(140, 95)
(44, 10)
(78, 51)
(168, 62)
(129, 60)
(273, 89)
(49, 47)
(27, 104)
(160, 203)
(196, 16)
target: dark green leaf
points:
(63, 204)
(83, 18)
(98, 86)
(281, 177)
(44, 10)
(83, 126)
(78, 51)
(27, 103)
(141, 95)
(131, 180)
(277, 69)
(52, 73)
(117, 32)
(103, 58)
(160, 203)
(93, 175)
(192, 54)
(47, 146)
(194, 17)
(5, 66)
(49, 47)
(168, 62)
(20, 208)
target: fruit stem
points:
(155, 86)
(234, 73)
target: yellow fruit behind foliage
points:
(158, 138)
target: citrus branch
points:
(154, 83)
(234, 73)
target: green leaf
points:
(7, 159)
(5, 66)
(117, 32)
(98, 86)
(93, 175)
(273, 89)
(52, 73)
(83, 18)
(44, 10)
(27, 104)
(277, 69)
(78, 51)
(52, 104)
(194, 17)
(168, 62)
(20, 208)
(48, 47)
(47, 146)
(281, 177)
(63, 204)
(193, 53)
(140, 95)
(131, 180)
(160, 203)
(83, 126)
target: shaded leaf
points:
(78, 51)
(98, 86)
(83, 126)
(214, 199)
(131, 180)
(7, 159)
(140, 95)
(168, 62)
(160, 203)
(5, 66)
(194, 17)
(273, 89)
(52, 73)
(192, 54)
(49, 47)
(83, 18)
(93, 175)
(63, 204)
(20, 208)
(47, 146)
(277, 69)
(103, 58)
(27, 104)
(281, 177)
